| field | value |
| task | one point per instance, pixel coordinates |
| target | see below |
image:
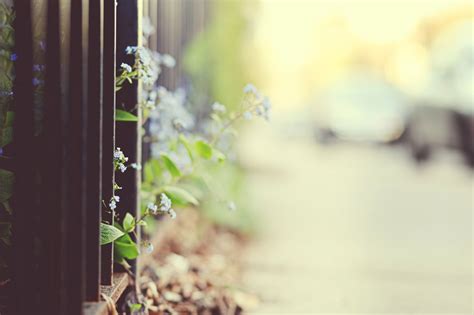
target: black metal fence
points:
(64, 138)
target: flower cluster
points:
(126, 67)
(148, 63)
(257, 104)
(180, 143)
(170, 118)
(113, 202)
(119, 160)
(164, 206)
(218, 107)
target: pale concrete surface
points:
(357, 229)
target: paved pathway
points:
(356, 229)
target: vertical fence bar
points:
(153, 14)
(108, 126)
(149, 12)
(94, 151)
(25, 278)
(128, 98)
(52, 168)
(75, 155)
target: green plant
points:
(7, 59)
(177, 174)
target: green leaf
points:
(5, 232)
(152, 170)
(135, 307)
(7, 207)
(6, 136)
(170, 166)
(219, 155)
(204, 149)
(9, 119)
(128, 223)
(6, 185)
(125, 247)
(180, 196)
(187, 146)
(109, 233)
(121, 115)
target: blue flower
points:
(165, 203)
(218, 107)
(36, 82)
(149, 248)
(13, 57)
(130, 50)
(38, 68)
(126, 67)
(250, 88)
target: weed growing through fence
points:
(176, 174)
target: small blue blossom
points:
(36, 81)
(119, 156)
(218, 107)
(172, 214)
(247, 115)
(152, 207)
(13, 57)
(112, 204)
(165, 203)
(250, 88)
(149, 248)
(38, 68)
(136, 166)
(122, 168)
(126, 67)
(130, 50)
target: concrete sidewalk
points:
(357, 229)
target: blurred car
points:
(432, 128)
(444, 117)
(361, 107)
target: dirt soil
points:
(195, 269)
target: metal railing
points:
(64, 172)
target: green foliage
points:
(170, 166)
(128, 223)
(6, 73)
(180, 175)
(216, 209)
(135, 307)
(185, 142)
(122, 115)
(180, 196)
(5, 232)
(152, 171)
(204, 149)
(6, 185)
(6, 129)
(125, 248)
(109, 233)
